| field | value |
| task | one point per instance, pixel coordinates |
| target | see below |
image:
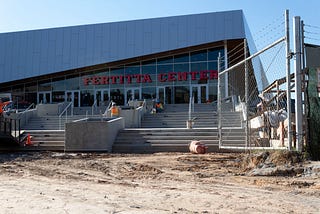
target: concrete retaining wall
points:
(48, 109)
(92, 135)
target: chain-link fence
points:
(252, 94)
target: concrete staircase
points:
(176, 116)
(52, 140)
(173, 140)
(45, 132)
(167, 131)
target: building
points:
(168, 58)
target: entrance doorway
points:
(132, 94)
(44, 97)
(102, 97)
(164, 94)
(200, 93)
(73, 96)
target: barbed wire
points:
(311, 38)
(270, 32)
(312, 26)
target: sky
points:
(21, 15)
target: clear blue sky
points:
(20, 15)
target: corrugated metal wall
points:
(32, 53)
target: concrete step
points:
(177, 140)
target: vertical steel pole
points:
(226, 79)
(219, 102)
(298, 97)
(246, 92)
(302, 46)
(288, 58)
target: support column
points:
(288, 58)
(298, 91)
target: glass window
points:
(148, 93)
(165, 60)
(213, 92)
(199, 56)
(103, 80)
(117, 96)
(31, 97)
(182, 71)
(87, 98)
(45, 85)
(181, 94)
(132, 77)
(58, 84)
(72, 82)
(213, 65)
(149, 62)
(58, 96)
(149, 69)
(31, 87)
(117, 78)
(132, 70)
(164, 68)
(196, 69)
(214, 53)
(162, 75)
(181, 58)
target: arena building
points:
(168, 58)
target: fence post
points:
(219, 102)
(246, 93)
(288, 79)
(298, 95)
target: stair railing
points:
(107, 109)
(93, 107)
(65, 111)
(191, 107)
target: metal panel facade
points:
(38, 52)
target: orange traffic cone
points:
(28, 142)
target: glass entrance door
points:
(44, 97)
(73, 96)
(132, 94)
(200, 93)
(102, 97)
(164, 94)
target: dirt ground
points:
(158, 183)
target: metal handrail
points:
(93, 106)
(108, 107)
(191, 107)
(65, 111)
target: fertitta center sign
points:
(146, 78)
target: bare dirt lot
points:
(158, 183)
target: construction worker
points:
(114, 110)
(159, 106)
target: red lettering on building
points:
(129, 79)
(121, 79)
(213, 74)
(114, 79)
(162, 77)
(172, 76)
(104, 80)
(95, 80)
(193, 75)
(146, 78)
(203, 75)
(138, 77)
(86, 80)
(182, 76)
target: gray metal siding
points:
(32, 53)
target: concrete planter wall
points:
(92, 135)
